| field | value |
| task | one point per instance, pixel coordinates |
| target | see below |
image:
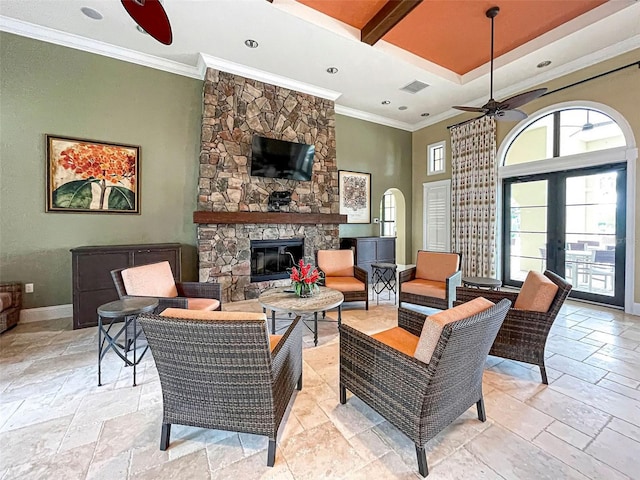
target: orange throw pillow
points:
(537, 293)
(435, 323)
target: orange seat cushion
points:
(434, 324)
(436, 266)
(273, 341)
(399, 339)
(336, 263)
(537, 293)
(209, 315)
(427, 288)
(155, 280)
(344, 284)
(202, 303)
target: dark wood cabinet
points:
(92, 283)
(368, 250)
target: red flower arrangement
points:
(304, 279)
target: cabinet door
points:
(94, 270)
(171, 255)
(387, 250)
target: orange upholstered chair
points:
(342, 274)
(156, 280)
(433, 281)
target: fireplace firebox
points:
(270, 259)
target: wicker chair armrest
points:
(15, 290)
(411, 320)
(402, 373)
(289, 344)
(465, 294)
(200, 290)
(165, 302)
(361, 274)
(407, 275)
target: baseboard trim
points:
(46, 313)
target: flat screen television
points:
(281, 159)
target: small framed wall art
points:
(355, 196)
(92, 176)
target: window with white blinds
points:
(437, 216)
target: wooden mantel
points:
(202, 217)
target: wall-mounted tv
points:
(281, 159)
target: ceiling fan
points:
(151, 17)
(587, 126)
(507, 109)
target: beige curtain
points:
(473, 192)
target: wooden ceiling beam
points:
(387, 18)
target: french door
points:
(572, 223)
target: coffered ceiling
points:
(442, 43)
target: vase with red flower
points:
(304, 279)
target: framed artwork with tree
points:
(92, 176)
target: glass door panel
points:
(590, 232)
(528, 228)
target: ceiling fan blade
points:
(510, 115)
(472, 109)
(521, 99)
(151, 16)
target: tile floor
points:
(56, 423)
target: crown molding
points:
(46, 34)
(372, 117)
(208, 61)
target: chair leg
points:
(482, 415)
(271, 454)
(343, 394)
(543, 373)
(366, 306)
(422, 461)
(299, 384)
(164, 436)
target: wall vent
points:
(414, 87)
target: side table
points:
(383, 277)
(127, 310)
(482, 282)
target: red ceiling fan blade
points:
(150, 15)
(521, 99)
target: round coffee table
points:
(284, 299)
(482, 282)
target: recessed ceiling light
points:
(386, 102)
(425, 114)
(546, 63)
(332, 70)
(402, 107)
(251, 43)
(141, 30)
(91, 13)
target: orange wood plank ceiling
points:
(456, 33)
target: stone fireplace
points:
(234, 109)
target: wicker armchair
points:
(524, 333)
(10, 304)
(223, 374)
(433, 281)
(182, 295)
(418, 398)
(341, 273)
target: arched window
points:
(564, 132)
(388, 210)
(564, 178)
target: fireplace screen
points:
(270, 259)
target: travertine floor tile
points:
(617, 450)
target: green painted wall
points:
(618, 90)
(385, 153)
(46, 88)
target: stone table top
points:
(128, 306)
(284, 300)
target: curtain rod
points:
(637, 63)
